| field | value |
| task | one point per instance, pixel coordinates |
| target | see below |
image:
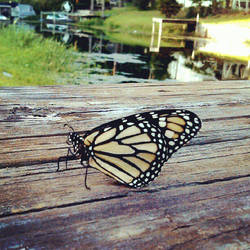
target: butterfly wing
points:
(133, 149)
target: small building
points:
(189, 3)
(241, 4)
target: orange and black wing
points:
(133, 149)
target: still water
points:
(112, 62)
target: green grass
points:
(127, 19)
(26, 58)
(130, 19)
(131, 26)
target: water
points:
(112, 62)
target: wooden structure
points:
(201, 199)
(231, 70)
(241, 5)
(191, 26)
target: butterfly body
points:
(133, 149)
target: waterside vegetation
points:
(29, 59)
(241, 18)
(138, 23)
(130, 18)
(126, 20)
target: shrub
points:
(192, 12)
(141, 4)
(205, 11)
(169, 7)
(32, 59)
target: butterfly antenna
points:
(67, 125)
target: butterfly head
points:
(74, 139)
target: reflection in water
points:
(118, 63)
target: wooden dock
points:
(191, 27)
(201, 200)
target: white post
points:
(153, 34)
(234, 4)
(159, 34)
(92, 5)
(239, 7)
(103, 7)
(154, 21)
(248, 70)
(197, 23)
(197, 18)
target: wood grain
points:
(201, 200)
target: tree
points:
(169, 7)
(216, 5)
(141, 4)
(44, 5)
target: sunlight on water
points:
(228, 40)
(228, 49)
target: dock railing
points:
(192, 25)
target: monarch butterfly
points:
(133, 149)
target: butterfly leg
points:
(65, 158)
(86, 174)
(70, 156)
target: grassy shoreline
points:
(239, 18)
(26, 58)
(133, 27)
(130, 19)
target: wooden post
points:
(234, 4)
(160, 32)
(248, 70)
(153, 34)
(197, 23)
(239, 6)
(152, 48)
(92, 5)
(103, 7)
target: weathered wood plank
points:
(33, 109)
(31, 150)
(200, 201)
(206, 216)
(45, 187)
